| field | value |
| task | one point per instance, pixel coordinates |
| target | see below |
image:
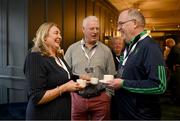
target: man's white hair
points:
(89, 18)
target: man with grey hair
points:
(90, 58)
(141, 76)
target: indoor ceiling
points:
(161, 15)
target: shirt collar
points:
(83, 43)
(137, 37)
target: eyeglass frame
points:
(121, 23)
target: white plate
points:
(103, 81)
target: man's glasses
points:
(120, 23)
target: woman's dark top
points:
(42, 74)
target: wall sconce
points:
(118, 33)
(106, 41)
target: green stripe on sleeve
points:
(154, 90)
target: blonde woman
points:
(48, 76)
(169, 44)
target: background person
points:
(117, 46)
(142, 76)
(173, 63)
(48, 76)
(169, 45)
(91, 58)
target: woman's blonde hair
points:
(39, 40)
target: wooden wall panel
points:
(54, 12)
(80, 15)
(102, 21)
(89, 7)
(36, 16)
(109, 23)
(115, 20)
(106, 22)
(97, 10)
(68, 23)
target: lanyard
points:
(61, 63)
(127, 53)
(92, 54)
(117, 58)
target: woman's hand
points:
(71, 86)
(86, 77)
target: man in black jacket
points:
(141, 76)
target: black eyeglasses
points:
(121, 23)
